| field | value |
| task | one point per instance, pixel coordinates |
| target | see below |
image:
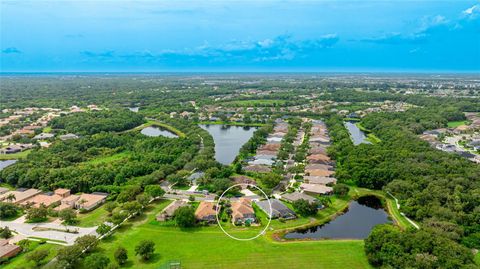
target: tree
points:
(96, 261)
(154, 191)
(341, 189)
(109, 207)
(103, 229)
(7, 210)
(68, 256)
(143, 199)
(121, 255)
(184, 216)
(24, 244)
(145, 249)
(68, 215)
(305, 208)
(37, 256)
(5, 233)
(35, 214)
(132, 207)
(87, 242)
(118, 216)
(11, 197)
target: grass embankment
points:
(208, 247)
(161, 125)
(92, 218)
(20, 262)
(372, 138)
(13, 156)
(454, 124)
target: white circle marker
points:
(218, 206)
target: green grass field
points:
(20, 262)
(93, 218)
(208, 247)
(13, 156)
(454, 124)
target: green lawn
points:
(20, 262)
(454, 124)
(477, 258)
(208, 247)
(12, 156)
(92, 218)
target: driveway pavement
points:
(43, 230)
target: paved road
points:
(30, 229)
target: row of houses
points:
(319, 169)
(266, 155)
(58, 199)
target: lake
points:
(6, 163)
(356, 223)
(157, 131)
(228, 140)
(358, 136)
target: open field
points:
(13, 156)
(208, 247)
(92, 218)
(454, 124)
(20, 261)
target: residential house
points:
(320, 180)
(242, 211)
(315, 189)
(295, 196)
(206, 211)
(167, 212)
(8, 250)
(20, 195)
(89, 201)
(68, 137)
(279, 210)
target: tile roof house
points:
(8, 250)
(315, 189)
(279, 210)
(295, 196)
(168, 211)
(319, 172)
(43, 199)
(21, 195)
(258, 168)
(206, 211)
(318, 158)
(320, 180)
(89, 201)
(242, 211)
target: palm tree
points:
(11, 197)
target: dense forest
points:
(438, 189)
(97, 121)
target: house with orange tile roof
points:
(206, 211)
(242, 211)
(20, 195)
(89, 201)
(46, 199)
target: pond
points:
(157, 131)
(356, 223)
(358, 136)
(228, 140)
(6, 163)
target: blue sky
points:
(231, 36)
